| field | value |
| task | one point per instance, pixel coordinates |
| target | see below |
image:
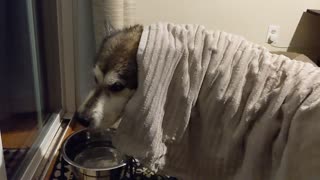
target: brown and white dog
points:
(115, 74)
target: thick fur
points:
(115, 74)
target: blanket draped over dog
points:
(212, 105)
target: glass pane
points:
(24, 94)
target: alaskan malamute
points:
(115, 74)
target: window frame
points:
(60, 15)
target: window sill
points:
(70, 128)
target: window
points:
(33, 95)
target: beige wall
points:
(249, 18)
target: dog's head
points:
(115, 74)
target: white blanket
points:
(212, 105)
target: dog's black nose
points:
(82, 119)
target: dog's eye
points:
(116, 87)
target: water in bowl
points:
(98, 157)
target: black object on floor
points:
(133, 170)
(13, 158)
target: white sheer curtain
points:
(117, 13)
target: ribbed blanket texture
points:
(212, 105)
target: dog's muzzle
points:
(83, 120)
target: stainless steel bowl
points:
(91, 154)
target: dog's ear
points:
(109, 29)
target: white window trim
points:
(49, 132)
(3, 174)
(67, 54)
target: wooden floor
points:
(19, 138)
(19, 132)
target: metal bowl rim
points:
(66, 158)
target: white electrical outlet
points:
(273, 34)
